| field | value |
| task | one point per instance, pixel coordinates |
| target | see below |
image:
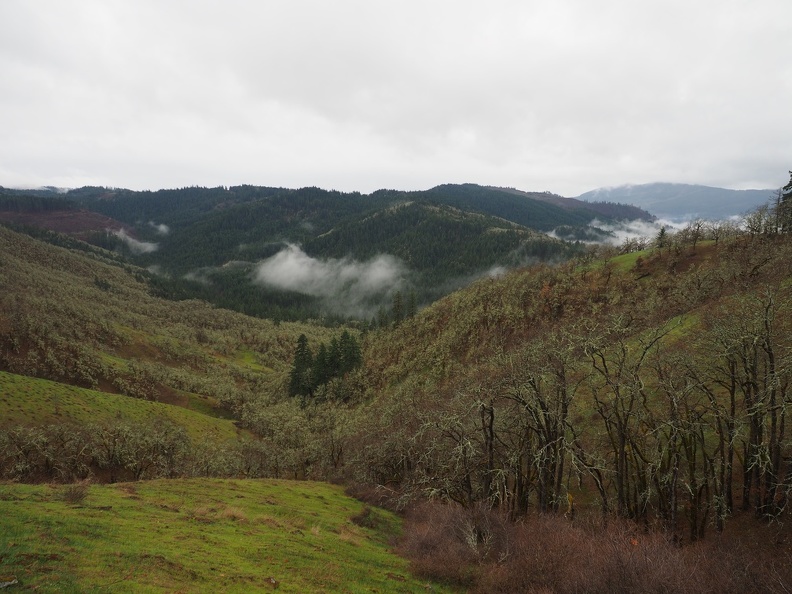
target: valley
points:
(606, 393)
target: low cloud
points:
(495, 272)
(160, 228)
(345, 286)
(638, 229)
(198, 276)
(136, 246)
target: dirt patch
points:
(80, 223)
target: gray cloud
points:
(160, 228)
(199, 276)
(345, 286)
(564, 96)
(626, 230)
(136, 246)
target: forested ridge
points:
(633, 393)
(35, 203)
(439, 242)
(206, 242)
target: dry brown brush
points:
(482, 551)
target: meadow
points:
(194, 535)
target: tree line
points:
(311, 372)
(33, 203)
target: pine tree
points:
(300, 376)
(398, 308)
(412, 304)
(334, 358)
(662, 238)
(784, 207)
(320, 372)
(351, 356)
(382, 318)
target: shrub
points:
(478, 549)
(447, 543)
(74, 493)
(365, 518)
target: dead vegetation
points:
(482, 551)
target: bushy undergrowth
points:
(75, 493)
(481, 550)
(660, 387)
(122, 451)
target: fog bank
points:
(345, 286)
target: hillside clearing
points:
(197, 535)
(27, 401)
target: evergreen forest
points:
(208, 243)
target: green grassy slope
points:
(198, 536)
(26, 402)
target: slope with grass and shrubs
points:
(114, 356)
(198, 536)
(652, 386)
(591, 426)
(598, 426)
(87, 319)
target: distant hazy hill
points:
(682, 200)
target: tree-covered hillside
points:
(439, 243)
(84, 318)
(81, 318)
(548, 375)
(604, 210)
(207, 243)
(522, 208)
(653, 385)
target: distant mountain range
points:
(683, 201)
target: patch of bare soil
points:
(79, 223)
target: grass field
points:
(28, 401)
(198, 535)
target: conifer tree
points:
(398, 308)
(382, 317)
(320, 372)
(333, 358)
(351, 356)
(300, 375)
(412, 304)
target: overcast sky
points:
(559, 95)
